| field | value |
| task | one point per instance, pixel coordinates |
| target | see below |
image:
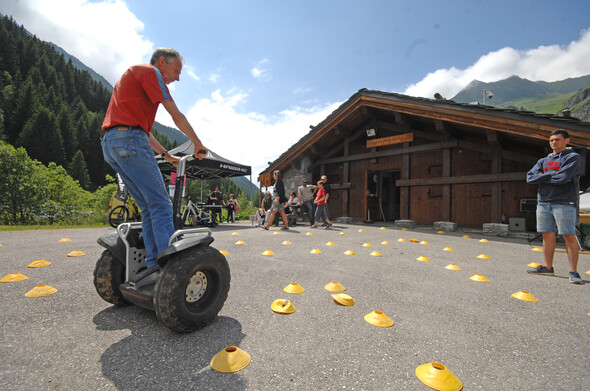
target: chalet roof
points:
(525, 124)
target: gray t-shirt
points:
(306, 193)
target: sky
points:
(258, 73)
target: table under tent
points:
(212, 166)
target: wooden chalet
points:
(395, 157)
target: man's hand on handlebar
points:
(172, 159)
(200, 151)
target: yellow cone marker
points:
(276, 233)
(330, 244)
(437, 376)
(39, 263)
(287, 243)
(484, 241)
(479, 278)
(367, 245)
(382, 228)
(440, 232)
(268, 253)
(343, 299)
(588, 272)
(315, 251)
(452, 266)
(1, 245)
(41, 290)
(309, 234)
(376, 254)
(335, 287)
(361, 230)
(424, 242)
(76, 253)
(13, 277)
(414, 240)
(379, 319)
(448, 249)
(402, 240)
(536, 265)
(342, 233)
(225, 253)
(349, 252)
(62, 240)
(282, 306)
(538, 249)
(483, 256)
(423, 259)
(404, 229)
(294, 288)
(240, 242)
(466, 237)
(230, 359)
(235, 233)
(526, 296)
(385, 242)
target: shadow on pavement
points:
(156, 358)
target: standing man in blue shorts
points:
(128, 143)
(557, 200)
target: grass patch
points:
(4, 228)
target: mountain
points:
(81, 66)
(514, 88)
(173, 134)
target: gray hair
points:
(167, 53)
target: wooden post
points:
(446, 200)
(405, 191)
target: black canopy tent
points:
(212, 166)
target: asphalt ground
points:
(73, 340)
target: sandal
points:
(265, 227)
(284, 228)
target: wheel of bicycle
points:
(117, 215)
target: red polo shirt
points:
(136, 97)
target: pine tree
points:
(41, 137)
(79, 171)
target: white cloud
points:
(251, 138)
(80, 27)
(260, 70)
(189, 70)
(547, 63)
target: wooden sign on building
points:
(383, 141)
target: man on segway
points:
(128, 143)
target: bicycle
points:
(127, 212)
(192, 215)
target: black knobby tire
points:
(118, 215)
(192, 289)
(109, 274)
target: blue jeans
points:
(130, 155)
(321, 213)
(551, 215)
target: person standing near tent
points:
(128, 142)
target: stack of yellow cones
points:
(437, 376)
(276, 233)
(342, 233)
(382, 228)
(466, 237)
(538, 249)
(309, 234)
(424, 242)
(414, 240)
(440, 232)
(361, 230)
(230, 359)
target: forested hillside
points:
(50, 108)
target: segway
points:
(189, 288)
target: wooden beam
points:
(446, 199)
(404, 192)
(458, 180)
(390, 152)
(496, 209)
